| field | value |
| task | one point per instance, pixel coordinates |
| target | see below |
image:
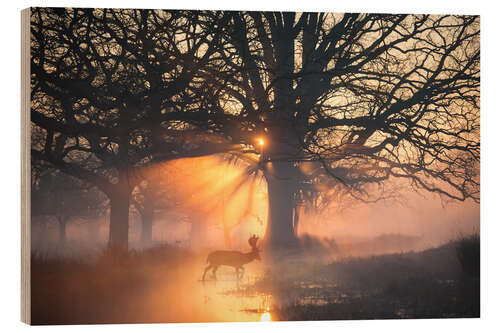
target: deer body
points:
(234, 259)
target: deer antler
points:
(253, 241)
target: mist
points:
(209, 193)
(420, 220)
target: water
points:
(228, 299)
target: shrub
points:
(468, 254)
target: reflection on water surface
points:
(230, 300)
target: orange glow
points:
(260, 141)
(217, 194)
(266, 316)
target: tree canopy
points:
(368, 96)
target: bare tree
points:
(102, 81)
(346, 102)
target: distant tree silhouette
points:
(157, 193)
(144, 200)
(63, 197)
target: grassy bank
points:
(107, 288)
(437, 283)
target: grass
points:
(426, 284)
(156, 285)
(108, 288)
(468, 253)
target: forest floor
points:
(163, 284)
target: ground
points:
(163, 285)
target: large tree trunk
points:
(281, 187)
(283, 148)
(119, 214)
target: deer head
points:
(253, 243)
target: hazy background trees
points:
(57, 197)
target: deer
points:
(234, 259)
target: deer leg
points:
(205, 272)
(214, 270)
(238, 274)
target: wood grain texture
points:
(25, 168)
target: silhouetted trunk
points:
(281, 187)
(296, 219)
(62, 221)
(119, 215)
(283, 148)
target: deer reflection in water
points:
(234, 259)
